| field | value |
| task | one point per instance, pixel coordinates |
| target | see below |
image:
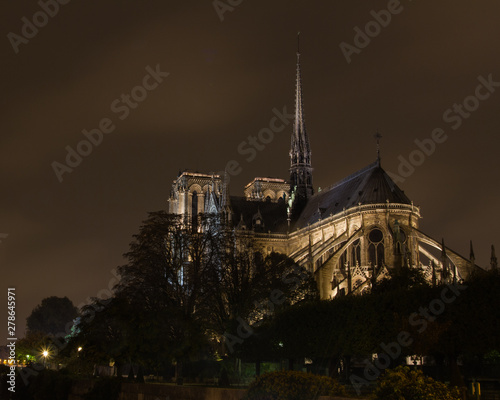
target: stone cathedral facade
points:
(350, 235)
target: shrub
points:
(402, 383)
(293, 385)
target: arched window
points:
(194, 211)
(400, 240)
(402, 236)
(343, 260)
(344, 257)
(356, 253)
(376, 247)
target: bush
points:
(402, 383)
(293, 385)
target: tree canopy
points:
(184, 290)
(54, 316)
(445, 321)
(188, 294)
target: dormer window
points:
(257, 221)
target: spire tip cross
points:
(377, 137)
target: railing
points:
(410, 208)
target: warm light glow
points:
(45, 353)
(259, 179)
(80, 348)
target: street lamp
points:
(45, 355)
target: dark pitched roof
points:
(369, 185)
(273, 215)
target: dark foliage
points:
(182, 290)
(54, 316)
(293, 385)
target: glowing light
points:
(45, 354)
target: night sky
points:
(227, 71)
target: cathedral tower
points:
(301, 185)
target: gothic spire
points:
(377, 137)
(493, 261)
(300, 151)
(471, 256)
(225, 191)
(444, 261)
(225, 204)
(443, 248)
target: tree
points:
(327, 330)
(183, 288)
(164, 282)
(103, 332)
(54, 316)
(401, 278)
(248, 287)
(29, 348)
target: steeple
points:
(493, 260)
(472, 257)
(225, 203)
(377, 137)
(444, 262)
(300, 151)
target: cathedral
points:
(349, 235)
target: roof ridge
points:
(350, 177)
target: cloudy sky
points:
(228, 67)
